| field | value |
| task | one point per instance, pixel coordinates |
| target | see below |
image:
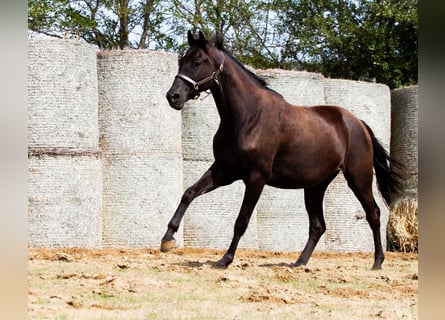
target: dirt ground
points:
(147, 284)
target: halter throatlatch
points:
(196, 84)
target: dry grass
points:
(403, 225)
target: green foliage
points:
(105, 23)
(353, 39)
(370, 40)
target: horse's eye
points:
(197, 62)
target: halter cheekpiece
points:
(213, 76)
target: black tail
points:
(389, 171)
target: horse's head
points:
(199, 71)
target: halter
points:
(197, 84)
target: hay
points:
(403, 230)
(141, 145)
(62, 94)
(140, 195)
(64, 172)
(65, 152)
(134, 116)
(64, 201)
(405, 135)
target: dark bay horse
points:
(262, 139)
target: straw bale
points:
(64, 201)
(210, 218)
(297, 87)
(62, 94)
(134, 116)
(141, 144)
(404, 134)
(140, 194)
(403, 230)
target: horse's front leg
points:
(213, 178)
(254, 187)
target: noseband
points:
(197, 84)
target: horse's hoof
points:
(376, 267)
(298, 263)
(223, 263)
(168, 245)
(219, 265)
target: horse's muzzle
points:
(174, 100)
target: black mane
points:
(219, 43)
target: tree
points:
(105, 23)
(392, 27)
(244, 25)
(352, 39)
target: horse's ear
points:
(191, 39)
(202, 41)
(219, 41)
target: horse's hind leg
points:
(313, 199)
(211, 179)
(362, 188)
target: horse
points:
(264, 140)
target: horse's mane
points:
(219, 43)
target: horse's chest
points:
(240, 155)
(228, 153)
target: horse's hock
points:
(109, 159)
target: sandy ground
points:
(147, 284)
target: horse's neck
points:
(234, 96)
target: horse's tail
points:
(389, 179)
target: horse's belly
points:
(288, 175)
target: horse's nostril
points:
(173, 97)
